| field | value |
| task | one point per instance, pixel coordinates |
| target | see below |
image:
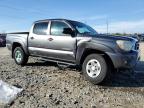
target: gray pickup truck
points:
(74, 43)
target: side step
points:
(64, 65)
(61, 64)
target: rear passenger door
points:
(60, 45)
(38, 39)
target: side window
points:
(57, 28)
(40, 28)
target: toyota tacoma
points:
(74, 43)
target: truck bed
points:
(19, 33)
(17, 37)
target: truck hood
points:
(107, 37)
(113, 38)
(104, 39)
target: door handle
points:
(31, 37)
(50, 39)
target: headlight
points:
(125, 45)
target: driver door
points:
(61, 46)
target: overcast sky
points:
(122, 15)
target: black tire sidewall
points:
(104, 68)
(22, 53)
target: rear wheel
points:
(95, 68)
(19, 56)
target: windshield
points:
(83, 28)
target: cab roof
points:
(60, 19)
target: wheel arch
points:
(95, 51)
(18, 44)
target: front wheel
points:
(19, 56)
(95, 68)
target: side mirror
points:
(68, 31)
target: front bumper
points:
(126, 60)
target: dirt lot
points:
(46, 86)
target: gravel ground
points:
(46, 86)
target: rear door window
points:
(40, 28)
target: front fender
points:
(86, 46)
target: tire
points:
(19, 56)
(95, 68)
